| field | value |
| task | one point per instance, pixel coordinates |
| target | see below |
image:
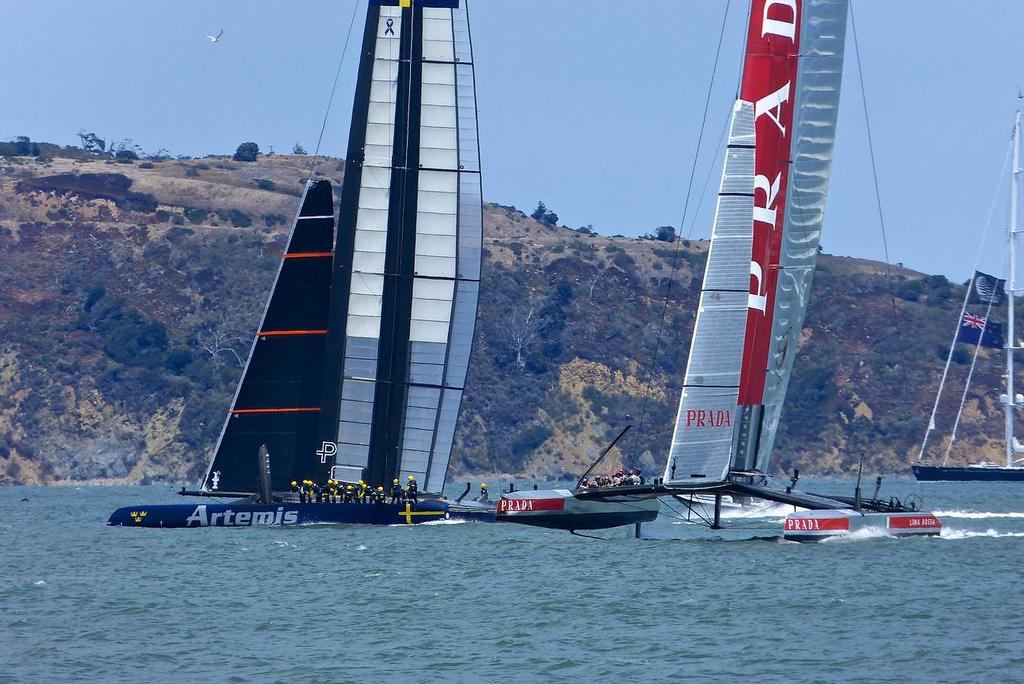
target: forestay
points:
(764, 241)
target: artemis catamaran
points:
(358, 368)
(755, 291)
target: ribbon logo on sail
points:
(390, 29)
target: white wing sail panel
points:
(363, 318)
(702, 443)
(449, 235)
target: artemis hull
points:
(562, 509)
(289, 514)
(813, 526)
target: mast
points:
(1009, 406)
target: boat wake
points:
(952, 534)
(978, 515)
(450, 521)
(767, 510)
(863, 534)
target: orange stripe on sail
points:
(308, 255)
(236, 412)
(280, 333)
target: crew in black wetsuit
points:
(412, 490)
(361, 492)
(396, 492)
(483, 492)
(379, 496)
(349, 494)
(295, 488)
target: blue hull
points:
(968, 474)
(286, 514)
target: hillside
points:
(130, 292)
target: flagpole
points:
(945, 369)
(1010, 405)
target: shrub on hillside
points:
(247, 152)
(238, 218)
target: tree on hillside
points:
(662, 233)
(665, 233)
(20, 146)
(219, 336)
(523, 330)
(125, 149)
(544, 215)
(297, 148)
(91, 142)
(247, 152)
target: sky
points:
(593, 106)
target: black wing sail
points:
(277, 402)
(409, 242)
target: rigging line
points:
(970, 374)
(878, 195)
(963, 307)
(707, 178)
(337, 75)
(678, 240)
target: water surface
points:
(81, 602)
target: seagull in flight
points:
(216, 38)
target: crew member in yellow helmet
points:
(412, 489)
(396, 492)
(483, 492)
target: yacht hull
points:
(814, 526)
(561, 509)
(968, 474)
(289, 514)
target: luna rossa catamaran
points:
(358, 368)
(756, 286)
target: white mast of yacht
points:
(1010, 401)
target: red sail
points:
(769, 83)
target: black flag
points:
(986, 289)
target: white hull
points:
(811, 526)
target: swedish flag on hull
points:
(450, 4)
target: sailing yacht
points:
(357, 371)
(756, 286)
(986, 289)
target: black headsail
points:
(277, 402)
(406, 281)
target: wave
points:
(978, 515)
(948, 533)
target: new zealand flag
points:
(986, 289)
(976, 329)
